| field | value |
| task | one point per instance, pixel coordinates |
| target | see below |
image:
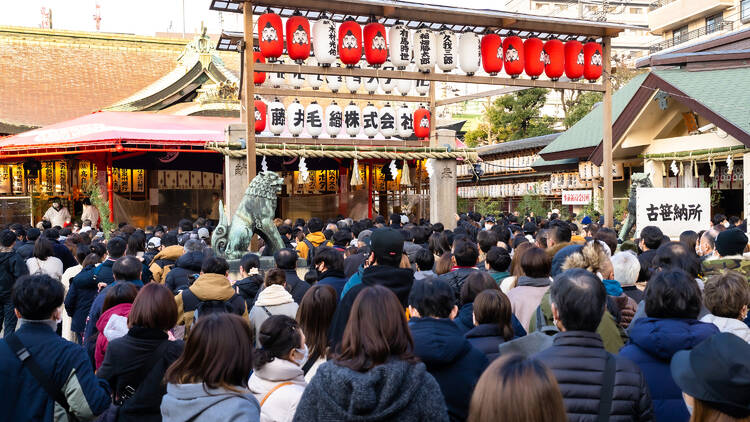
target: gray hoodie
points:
(196, 403)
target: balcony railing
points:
(691, 35)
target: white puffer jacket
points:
(729, 325)
(281, 404)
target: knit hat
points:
(386, 242)
(364, 237)
(731, 242)
(586, 220)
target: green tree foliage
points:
(518, 115)
(475, 137)
(487, 206)
(579, 106)
(98, 200)
(532, 203)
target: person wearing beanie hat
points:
(586, 220)
(729, 247)
(715, 378)
(381, 268)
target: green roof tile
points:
(723, 91)
(587, 132)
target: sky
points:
(141, 17)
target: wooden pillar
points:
(607, 135)
(369, 190)
(248, 97)
(433, 115)
(343, 191)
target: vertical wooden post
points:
(369, 190)
(607, 135)
(433, 115)
(248, 97)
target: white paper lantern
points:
(314, 119)
(353, 82)
(469, 52)
(371, 84)
(422, 87)
(325, 41)
(425, 50)
(387, 121)
(387, 84)
(403, 86)
(334, 82)
(447, 57)
(298, 80)
(352, 119)
(370, 120)
(276, 117)
(277, 79)
(315, 81)
(295, 117)
(334, 119)
(404, 122)
(400, 46)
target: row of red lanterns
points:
(533, 56)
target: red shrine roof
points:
(50, 76)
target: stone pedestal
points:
(443, 193)
(654, 170)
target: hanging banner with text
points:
(576, 197)
(673, 210)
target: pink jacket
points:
(122, 310)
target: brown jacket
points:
(160, 269)
(207, 287)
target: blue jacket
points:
(652, 344)
(79, 299)
(451, 359)
(102, 272)
(465, 321)
(335, 279)
(65, 363)
(355, 279)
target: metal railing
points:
(691, 35)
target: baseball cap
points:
(203, 233)
(387, 242)
(404, 219)
(154, 242)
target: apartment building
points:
(681, 23)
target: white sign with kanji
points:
(576, 197)
(673, 210)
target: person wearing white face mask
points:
(278, 380)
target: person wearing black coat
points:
(61, 251)
(138, 360)
(12, 266)
(78, 301)
(449, 357)
(286, 259)
(578, 359)
(25, 249)
(185, 271)
(250, 285)
(486, 338)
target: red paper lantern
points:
(533, 57)
(573, 60)
(422, 123)
(350, 43)
(260, 115)
(554, 59)
(298, 38)
(492, 53)
(513, 55)
(376, 47)
(270, 35)
(259, 77)
(592, 61)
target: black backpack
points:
(312, 250)
(190, 302)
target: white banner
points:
(673, 210)
(576, 197)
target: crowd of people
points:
(502, 318)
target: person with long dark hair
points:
(134, 364)
(376, 375)
(314, 315)
(208, 381)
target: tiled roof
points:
(517, 145)
(49, 76)
(587, 133)
(723, 91)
